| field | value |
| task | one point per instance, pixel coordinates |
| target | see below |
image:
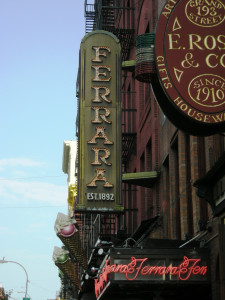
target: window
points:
(149, 156)
(189, 185)
(174, 184)
(143, 206)
(166, 205)
(202, 171)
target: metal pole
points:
(10, 261)
(21, 292)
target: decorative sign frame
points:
(99, 168)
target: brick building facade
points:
(173, 183)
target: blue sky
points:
(39, 50)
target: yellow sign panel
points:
(99, 171)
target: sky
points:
(39, 49)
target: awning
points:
(216, 172)
(128, 65)
(206, 185)
(144, 228)
(152, 273)
(145, 179)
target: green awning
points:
(145, 179)
(128, 65)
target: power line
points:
(25, 178)
(47, 206)
(40, 287)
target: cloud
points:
(14, 192)
(36, 227)
(19, 174)
(21, 162)
(28, 191)
(6, 231)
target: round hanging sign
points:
(190, 63)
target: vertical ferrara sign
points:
(190, 62)
(99, 177)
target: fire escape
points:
(129, 135)
(110, 15)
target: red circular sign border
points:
(162, 66)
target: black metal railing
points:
(114, 16)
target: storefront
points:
(211, 188)
(156, 274)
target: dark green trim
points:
(145, 179)
(128, 65)
(100, 32)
